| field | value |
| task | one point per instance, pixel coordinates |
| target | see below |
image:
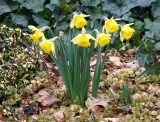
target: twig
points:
(38, 55)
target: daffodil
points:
(82, 40)
(47, 46)
(103, 39)
(38, 33)
(110, 26)
(79, 21)
(126, 32)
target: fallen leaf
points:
(59, 115)
(46, 110)
(133, 64)
(158, 117)
(114, 58)
(60, 81)
(144, 111)
(158, 93)
(96, 109)
(124, 109)
(130, 52)
(37, 88)
(43, 92)
(100, 95)
(153, 88)
(115, 86)
(136, 95)
(46, 100)
(157, 103)
(35, 117)
(144, 94)
(91, 102)
(112, 119)
(119, 64)
(93, 63)
(116, 61)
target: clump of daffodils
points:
(103, 38)
(76, 73)
(82, 40)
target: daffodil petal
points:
(118, 19)
(72, 23)
(96, 43)
(90, 37)
(76, 39)
(84, 15)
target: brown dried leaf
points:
(43, 92)
(158, 93)
(60, 81)
(130, 52)
(37, 88)
(116, 86)
(96, 109)
(157, 103)
(114, 58)
(112, 119)
(144, 111)
(116, 61)
(136, 95)
(123, 109)
(46, 100)
(93, 63)
(59, 115)
(153, 88)
(100, 95)
(100, 103)
(158, 117)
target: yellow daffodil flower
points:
(126, 32)
(47, 46)
(82, 40)
(38, 33)
(78, 21)
(103, 39)
(110, 26)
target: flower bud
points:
(44, 28)
(54, 39)
(83, 30)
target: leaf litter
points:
(111, 104)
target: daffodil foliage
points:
(73, 58)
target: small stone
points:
(58, 115)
